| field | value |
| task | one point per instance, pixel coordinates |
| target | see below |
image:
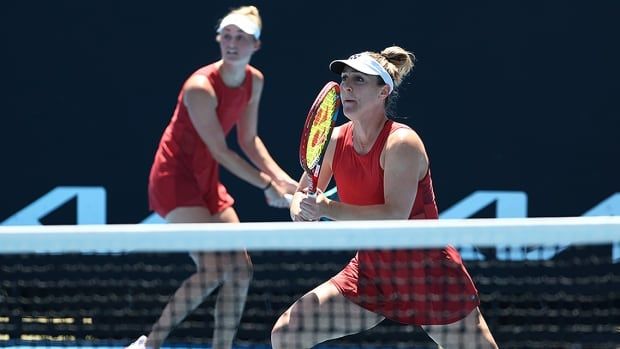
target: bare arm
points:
(253, 146)
(200, 100)
(405, 163)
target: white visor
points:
(241, 21)
(363, 63)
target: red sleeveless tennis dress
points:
(184, 172)
(421, 287)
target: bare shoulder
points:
(198, 83)
(405, 138)
(404, 150)
(331, 146)
(258, 81)
(335, 134)
(198, 88)
(258, 78)
(257, 75)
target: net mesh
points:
(543, 283)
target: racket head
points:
(318, 128)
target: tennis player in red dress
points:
(184, 184)
(382, 171)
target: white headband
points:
(241, 21)
(363, 63)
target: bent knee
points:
(279, 331)
(277, 340)
(241, 274)
(292, 321)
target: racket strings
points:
(320, 128)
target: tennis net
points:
(542, 282)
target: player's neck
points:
(233, 75)
(365, 133)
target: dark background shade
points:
(506, 95)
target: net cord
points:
(118, 238)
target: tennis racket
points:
(317, 131)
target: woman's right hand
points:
(275, 195)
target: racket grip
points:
(312, 181)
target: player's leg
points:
(320, 315)
(236, 278)
(199, 285)
(231, 297)
(470, 332)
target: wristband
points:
(268, 185)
